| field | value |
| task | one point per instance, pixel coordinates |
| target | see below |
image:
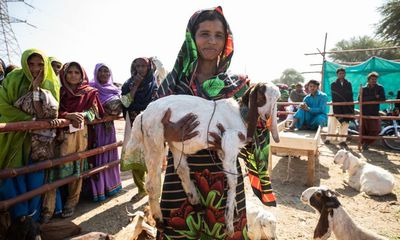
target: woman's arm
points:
(7, 109)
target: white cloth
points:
(335, 127)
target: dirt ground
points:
(294, 219)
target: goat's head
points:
(324, 201)
(261, 99)
(268, 224)
(342, 157)
(24, 228)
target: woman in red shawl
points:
(77, 101)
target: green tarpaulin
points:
(389, 76)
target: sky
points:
(269, 36)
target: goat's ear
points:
(322, 230)
(246, 96)
(346, 163)
(253, 112)
(261, 99)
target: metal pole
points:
(4, 205)
(13, 172)
(360, 130)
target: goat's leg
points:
(229, 165)
(154, 160)
(230, 146)
(183, 171)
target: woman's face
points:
(141, 67)
(103, 75)
(56, 67)
(73, 76)
(210, 39)
(36, 65)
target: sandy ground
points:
(295, 220)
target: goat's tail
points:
(135, 140)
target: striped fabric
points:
(185, 221)
(256, 159)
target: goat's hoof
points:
(229, 230)
(193, 198)
(159, 224)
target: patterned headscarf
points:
(179, 80)
(82, 98)
(107, 91)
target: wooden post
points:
(323, 62)
(310, 168)
(361, 119)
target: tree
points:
(388, 27)
(364, 42)
(290, 76)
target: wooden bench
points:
(298, 143)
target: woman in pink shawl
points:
(108, 182)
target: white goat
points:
(261, 224)
(148, 132)
(334, 217)
(365, 177)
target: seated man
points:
(312, 112)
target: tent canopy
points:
(389, 76)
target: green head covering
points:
(15, 146)
(54, 59)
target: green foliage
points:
(388, 27)
(363, 42)
(290, 76)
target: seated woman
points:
(313, 111)
(36, 76)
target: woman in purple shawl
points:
(108, 182)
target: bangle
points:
(36, 96)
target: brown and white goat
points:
(334, 217)
(148, 134)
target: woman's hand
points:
(37, 80)
(55, 122)
(76, 118)
(137, 80)
(181, 130)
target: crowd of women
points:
(201, 69)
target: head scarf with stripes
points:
(181, 81)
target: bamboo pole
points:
(13, 172)
(4, 205)
(36, 125)
(355, 50)
(323, 61)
